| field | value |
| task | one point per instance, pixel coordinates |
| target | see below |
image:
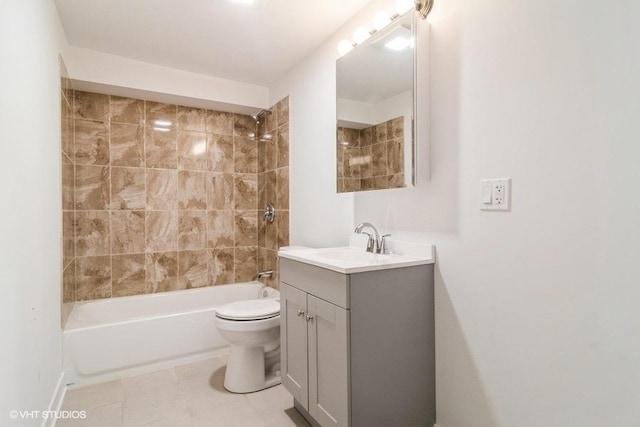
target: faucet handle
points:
(384, 249)
(371, 243)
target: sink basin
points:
(348, 255)
(350, 259)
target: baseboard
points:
(56, 401)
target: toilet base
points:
(246, 371)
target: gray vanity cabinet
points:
(314, 358)
(294, 333)
(358, 349)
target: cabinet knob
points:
(309, 318)
(300, 313)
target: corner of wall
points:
(57, 398)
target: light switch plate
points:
(495, 194)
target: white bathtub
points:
(119, 337)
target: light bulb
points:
(360, 35)
(380, 20)
(404, 5)
(344, 46)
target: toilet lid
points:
(253, 309)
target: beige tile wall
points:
(160, 197)
(68, 196)
(371, 158)
(273, 187)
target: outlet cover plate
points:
(495, 194)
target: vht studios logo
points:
(24, 415)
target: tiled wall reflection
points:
(371, 158)
(158, 197)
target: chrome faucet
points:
(372, 245)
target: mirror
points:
(375, 85)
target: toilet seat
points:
(254, 309)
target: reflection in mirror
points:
(375, 110)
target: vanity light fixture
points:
(381, 20)
(360, 35)
(344, 46)
(423, 7)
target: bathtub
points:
(115, 338)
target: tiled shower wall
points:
(273, 187)
(164, 197)
(68, 203)
(371, 158)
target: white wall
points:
(105, 73)
(318, 215)
(30, 221)
(537, 309)
(372, 114)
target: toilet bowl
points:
(252, 328)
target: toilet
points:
(252, 327)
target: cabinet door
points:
(293, 338)
(328, 363)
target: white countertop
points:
(354, 258)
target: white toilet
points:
(252, 327)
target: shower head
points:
(256, 116)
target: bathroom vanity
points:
(357, 335)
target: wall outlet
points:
(495, 194)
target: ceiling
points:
(253, 44)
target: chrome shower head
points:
(256, 116)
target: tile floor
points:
(190, 395)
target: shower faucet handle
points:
(269, 213)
